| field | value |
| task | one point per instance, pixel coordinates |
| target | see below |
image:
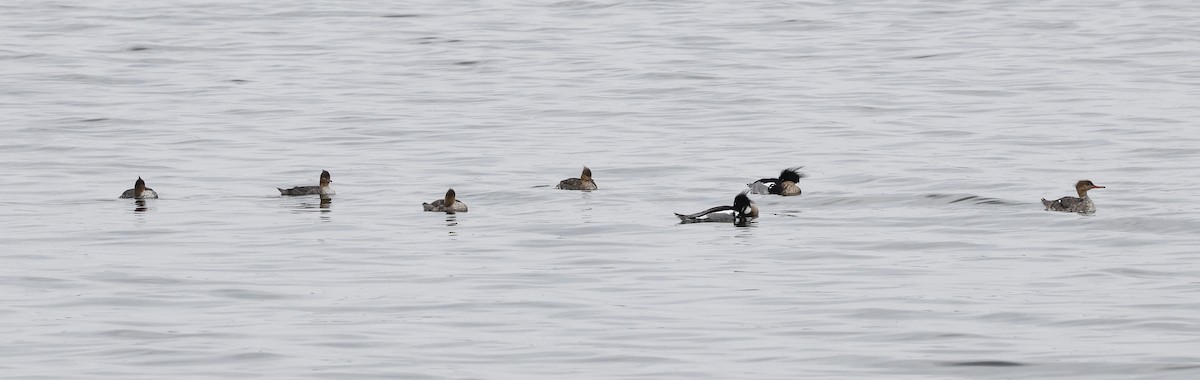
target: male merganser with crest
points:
(741, 213)
(1083, 204)
(140, 191)
(322, 190)
(584, 182)
(447, 205)
(784, 185)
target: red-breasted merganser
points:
(584, 182)
(741, 213)
(322, 190)
(1082, 204)
(140, 191)
(440, 204)
(784, 185)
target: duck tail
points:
(762, 186)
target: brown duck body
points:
(785, 185)
(1081, 204)
(785, 188)
(139, 191)
(323, 189)
(584, 182)
(440, 205)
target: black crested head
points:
(791, 174)
(743, 209)
(741, 203)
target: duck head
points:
(325, 180)
(1083, 186)
(744, 210)
(139, 187)
(586, 175)
(791, 174)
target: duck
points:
(785, 185)
(1082, 204)
(741, 213)
(322, 190)
(440, 204)
(139, 191)
(584, 182)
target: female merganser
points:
(584, 182)
(322, 190)
(440, 205)
(741, 213)
(140, 191)
(784, 185)
(1082, 204)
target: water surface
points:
(919, 249)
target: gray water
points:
(929, 130)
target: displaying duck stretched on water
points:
(784, 185)
(1081, 204)
(447, 205)
(584, 182)
(140, 191)
(323, 189)
(741, 213)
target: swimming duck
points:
(741, 213)
(440, 204)
(323, 189)
(1082, 204)
(140, 191)
(584, 182)
(784, 185)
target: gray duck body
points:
(1080, 204)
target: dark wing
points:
(437, 205)
(703, 213)
(570, 184)
(1065, 204)
(300, 190)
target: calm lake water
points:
(928, 130)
